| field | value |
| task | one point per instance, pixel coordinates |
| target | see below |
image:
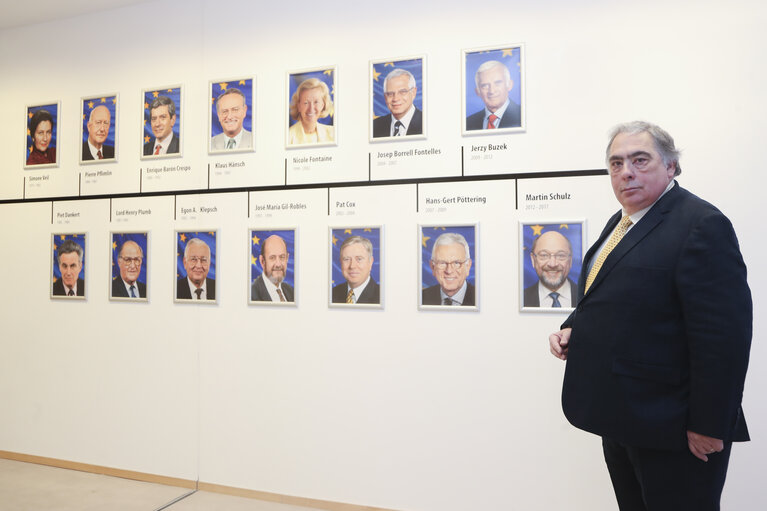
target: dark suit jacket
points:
(107, 151)
(530, 298)
(371, 294)
(183, 292)
(431, 296)
(512, 118)
(382, 125)
(173, 148)
(58, 288)
(660, 343)
(119, 291)
(258, 292)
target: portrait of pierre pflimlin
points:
(68, 268)
(129, 252)
(98, 134)
(231, 116)
(312, 108)
(356, 269)
(42, 136)
(448, 269)
(161, 133)
(196, 266)
(397, 99)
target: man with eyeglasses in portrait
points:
(552, 257)
(450, 263)
(270, 286)
(196, 285)
(405, 119)
(232, 109)
(98, 125)
(129, 260)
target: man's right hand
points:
(558, 342)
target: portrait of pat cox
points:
(493, 91)
(68, 268)
(356, 270)
(42, 136)
(161, 133)
(448, 267)
(99, 129)
(311, 108)
(231, 116)
(272, 266)
(550, 264)
(130, 265)
(397, 99)
(196, 266)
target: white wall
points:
(395, 408)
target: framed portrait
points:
(312, 107)
(98, 130)
(550, 264)
(161, 133)
(397, 106)
(448, 270)
(41, 141)
(272, 272)
(129, 252)
(196, 266)
(231, 116)
(68, 268)
(356, 272)
(493, 90)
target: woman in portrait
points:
(309, 103)
(41, 131)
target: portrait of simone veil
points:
(311, 108)
(397, 99)
(196, 266)
(356, 271)
(42, 135)
(68, 268)
(99, 129)
(231, 116)
(448, 267)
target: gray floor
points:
(30, 487)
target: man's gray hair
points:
(163, 101)
(231, 90)
(357, 239)
(195, 241)
(449, 238)
(68, 247)
(486, 66)
(664, 143)
(400, 72)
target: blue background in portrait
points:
(329, 80)
(182, 238)
(338, 237)
(255, 250)
(474, 59)
(246, 87)
(58, 239)
(53, 109)
(149, 96)
(415, 66)
(432, 233)
(573, 232)
(117, 242)
(111, 103)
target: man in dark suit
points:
(405, 119)
(69, 256)
(552, 258)
(129, 261)
(356, 258)
(98, 125)
(450, 263)
(196, 285)
(658, 346)
(494, 83)
(162, 118)
(270, 286)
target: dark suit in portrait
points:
(512, 118)
(531, 299)
(107, 151)
(382, 125)
(119, 290)
(173, 147)
(432, 296)
(371, 293)
(58, 288)
(259, 293)
(184, 293)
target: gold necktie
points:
(350, 296)
(617, 235)
(279, 293)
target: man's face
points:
(443, 264)
(69, 266)
(98, 125)
(493, 88)
(231, 111)
(42, 135)
(197, 263)
(399, 97)
(274, 259)
(130, 262)
(552, 259)
(162, 122)
(356, 264)
(310, 104)
(637, 171)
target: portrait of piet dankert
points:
(311, 108)
(272, 273)
(551, 264)
(42, 136)
(356, 270)
(130, 262)
(397, 99)
(196, 266)
(161, 134)
(99, 129)
(68, 270)
(231, 116)
(493, 91)
(448, 269)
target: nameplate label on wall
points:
(37, 181)
(126, 215)
(403, 157)
(221, 168)
(195, 212)
(485, 157)
(444, 203)
(272, 209)
(541, 201)
(310, 162)
(64, 217)
(157, 173)
(92, 176)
